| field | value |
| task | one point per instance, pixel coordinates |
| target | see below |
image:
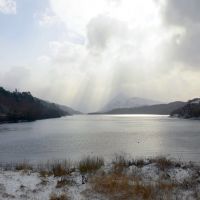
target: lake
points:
(73, 137)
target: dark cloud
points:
(183, 17)
(186, 49)
(182, 12)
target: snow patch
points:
(179, 174)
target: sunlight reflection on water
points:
(76, 136)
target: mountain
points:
(122, 101)
(69, 110)
(160, 109)
(190, 110)
(16, 106)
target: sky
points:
(82, 53)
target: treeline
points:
(22, 106)
(190, 110)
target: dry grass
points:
(62, 168)
(138, 163)
(64, 181)
(90, 164)
(59, 170)
(164, 186)
(56, 168)
(116, 186)
(123, 181)
(120, 186)
(58, 197)
(44, 173)
(111, 186)
(163, 163)
(119, 164)
(24, 166)
(144, 191)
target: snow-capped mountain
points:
(122, 101)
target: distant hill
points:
(160, 109)
(69, 110)
(190, 110)
(122, 101)
(16, 106)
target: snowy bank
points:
(154, 178)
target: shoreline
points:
(16, 121)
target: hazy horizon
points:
(84, 53)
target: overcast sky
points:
(83, 52)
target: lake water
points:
(76, 136)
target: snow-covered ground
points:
(29, 185)
(24, 185)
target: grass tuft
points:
(63, 182)
(90, 164)
(45, 173)
(163, 163)
(56, 168)
(58, 197)
(59, 170)
(139, 163)
(24, 166)
(119, 164)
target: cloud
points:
(102, 29)
(16, 77)
(98, 49)
(66, 53)
(76, 14)
(182, 17)
(47, 18)
(182, 12)
(118, 55)
(8, 6)
(43, 59)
